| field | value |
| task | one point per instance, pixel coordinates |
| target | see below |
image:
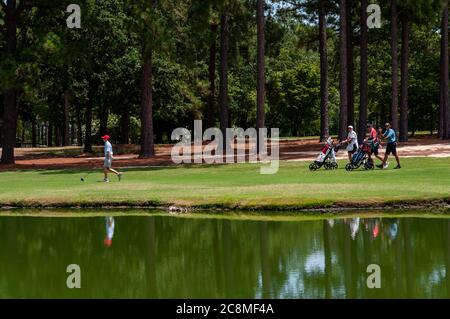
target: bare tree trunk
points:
(441, 109)
(33, 131)
(49, 134)
(211, 105)
(66, 118)
(88, 128)
(343, 80)
(59, 136)
(350, 65)
(444, 105)
(79, 129)
(40, 130)
(394, 66)
(73, 131)
(324, 125)
(147, 143)
(223, 93)
(261, 79)
(403, 137)
(10, 93)
(364, 73)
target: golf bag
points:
(361, 158)
(327, 157)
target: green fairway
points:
(232, 186)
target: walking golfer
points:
(373, 141)
(352, 142)
(108, 160)
(391, 146)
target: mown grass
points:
(237, 186)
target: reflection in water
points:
(265, 265)
(327, 225)
(446, 249)
(354, 227)
(169, 257)
(150, 258)
(109, 221)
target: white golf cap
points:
(350, 127)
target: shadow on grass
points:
(128, 169)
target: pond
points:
(163, 256)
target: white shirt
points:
(110, 227)
(354, 226)
(353, 140)
(108, 148)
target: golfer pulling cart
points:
(327, 157)
(361, 158)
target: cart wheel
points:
(334, 165)
(349, 167)
(313, 167)
(368, 166)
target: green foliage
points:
(100, 64)
(294, 98)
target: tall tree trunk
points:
(403, 137)
(363, 73)
(211, 105)
(147, 143)
(394, 66)
(88, 128)
(261, 78)
(39, 134)
(444, 105)
(73, 131)
(59, 136)
(343, 80)
(49, 134)
(350, 66)
(125, 126)
(42, 134)
(10, 94)
(34, 133)
(66, 119)
(441, 110)
(324, 125)
(223, 93)
(79, 129)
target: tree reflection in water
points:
(172, 257)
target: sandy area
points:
(290, 150)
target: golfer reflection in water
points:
(109, 231)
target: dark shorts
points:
(374, 150)
(391, 148)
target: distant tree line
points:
(138, 69)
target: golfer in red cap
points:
(108, 160)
